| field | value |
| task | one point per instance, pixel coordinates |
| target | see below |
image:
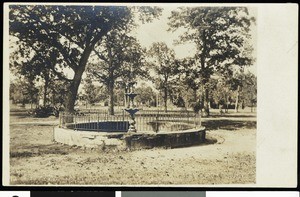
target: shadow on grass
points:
(39, 150)
(234, 116)
(209, 140)
(229, 124)
(20, 115)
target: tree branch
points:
(101, 78)
(100, 56)
(64, 53)
(60, 75)
(71, 40)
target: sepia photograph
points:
(132, 95)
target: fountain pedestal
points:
(132, 116)
(131, 108)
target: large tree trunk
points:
(74, 84)
(111, 98)
(186, 103)
(236, 107)
(165, 99)
(226, 101)
(125, 98)
(206, 102)
(71, 96)
(194, 95)
(252, 104)
(46, 85)
(157, 95)
(205, 75)
(205, 92)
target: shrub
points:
(197, 106)
(44, 111)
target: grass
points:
(228, 124)
(220, 172)
(36, 160)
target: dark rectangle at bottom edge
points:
(72, 194)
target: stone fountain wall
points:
(132, 141)
(166, 139)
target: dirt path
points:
(229, 142)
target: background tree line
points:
(94, 42)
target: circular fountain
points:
(116, 132)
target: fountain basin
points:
(131, 111)
(132, 141)
(131, 95)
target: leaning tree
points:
(68, 34)
(220, 35)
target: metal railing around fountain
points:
(146, 120)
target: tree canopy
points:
(117, 57)
(221, 35)
(163, 63)
(58, 44)
(65, 36)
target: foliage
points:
(221, 35)
(23, 91)
(162, 61)
(118, 56)
(57, 93)
(63, 37)
(224, 90)
(146, 95)
(119, 98)
(91, 91)
(44, 111)
(249, 90)
(186, 85)
(197, 106)
(221, 92)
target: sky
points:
(156, 31)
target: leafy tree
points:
(31, 66)
(23, 91)
(187, 83)
(119, 56)
(119, 99)
(146, 95)
(91, 92)
(162, 62)
(248, 90)
(65, 36)
(221, 92)
(221, 35)
(244, 86)
(36, 69)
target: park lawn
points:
(36, 160)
